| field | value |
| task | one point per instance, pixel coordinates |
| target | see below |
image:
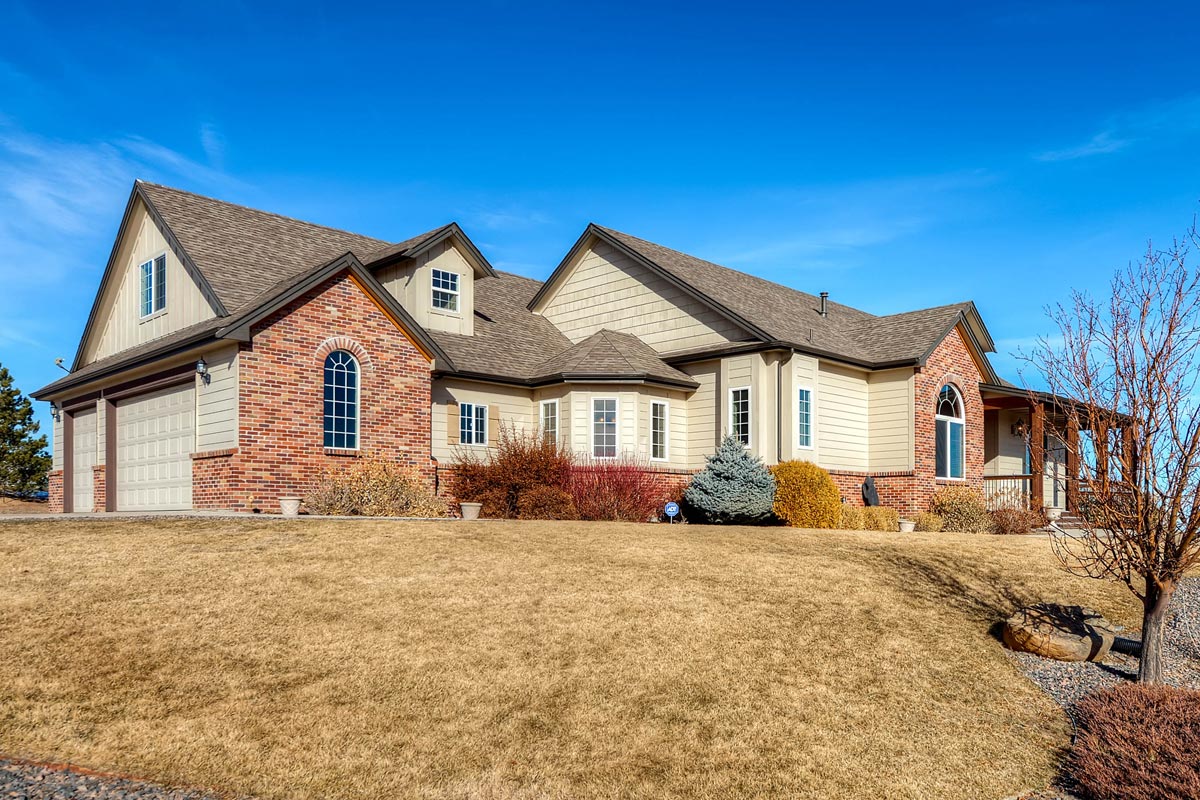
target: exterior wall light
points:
(202, 371)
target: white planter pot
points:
(907, 525)
(470, 510)
(290, 506)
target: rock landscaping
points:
(1064, 633)
(21, 780)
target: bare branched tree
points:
(1128, 366)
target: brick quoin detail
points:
(280, 449)
(55, 490)
(99, 493)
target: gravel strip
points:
(1067, 682)
(21, 780)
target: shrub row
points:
(372, 487)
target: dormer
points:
(433, 277)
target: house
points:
(231, 354)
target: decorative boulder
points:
(1065, 633)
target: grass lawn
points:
(527, 660)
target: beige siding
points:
(606, 289)
(1007, 452)
(560, 395)
(677, 414)
(412, 284)
(118, 325)
(217, 402)
(842, 417)
(581, 417)
(799, 373)
(507, 405)
(56, 450)
(890, 420)
(703, 412)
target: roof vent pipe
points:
(824, 304)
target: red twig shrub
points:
(621, 489)
(1015, 520)
(546, 502)
(1138, 742)
(518, 462)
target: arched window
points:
(341, 400)
(949, 440)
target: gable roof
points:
(607, 355)
(779, 315)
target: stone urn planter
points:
(908, 525)
(290, 506)
(1064, 633)
(470, 510)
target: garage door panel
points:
(83, 458)
(155, 439)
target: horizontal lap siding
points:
(508, 406)
(842, 418)
(411, 283)
(704, 412)
(889, 425)
(606, 289)
(217, 402)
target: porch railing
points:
(1007, 491)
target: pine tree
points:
(734, 488)
(24, 462)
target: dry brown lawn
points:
(13, 505)
(527, 660)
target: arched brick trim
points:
(959, 383)
(349, 345)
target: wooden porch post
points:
(1037, 455)
(1128, 455)
(1072, 465)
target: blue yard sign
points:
(671, 510)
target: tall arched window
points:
(341, 400)
(950, 426)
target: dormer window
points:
(154, 285)
(445, 290)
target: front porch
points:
(1031, 450)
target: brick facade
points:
(280, 449)
(99, 495)
(56, 491)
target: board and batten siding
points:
(607, 289)
(842, 417)
(507, 405)
(890, 420)
(119, 324)
(217, 402)
(411, 283)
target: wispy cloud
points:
(505, 219)
(213, 142)
(1159, 121)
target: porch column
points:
(1072, 464)
(1037, 455)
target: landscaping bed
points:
(316, 658)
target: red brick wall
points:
(280, 449)
(55, 490)
(99, 495)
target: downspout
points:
(779, 410)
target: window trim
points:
(666, 405)
(616, 428)
(962, 408)
(542, 419)
(357, 402)
(474, 422)
(456, 293)
(812, 417)
(749, 414)
(154, 286)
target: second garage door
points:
(155, 437)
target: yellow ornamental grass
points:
(806, 496)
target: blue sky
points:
(895, 157)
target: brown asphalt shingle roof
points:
(788, 315)
(610, 354)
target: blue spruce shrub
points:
(734, 488)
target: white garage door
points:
(155, 437)
(83, 458)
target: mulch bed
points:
(25, 780)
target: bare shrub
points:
(929, 522)
(962, 509)
(518, 462)
(620, 489)
(1015, 520)
(546, 502)
(373, 486)
(881, 518)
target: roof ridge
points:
(604, 332)
(265, 213)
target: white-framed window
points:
(445, 290)
(659, 427)
(154, 285)
(550, 421)
(949, 438)
(604, 427)
(804, 417)
(341, 401)
(472, 423)
(739, 414)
